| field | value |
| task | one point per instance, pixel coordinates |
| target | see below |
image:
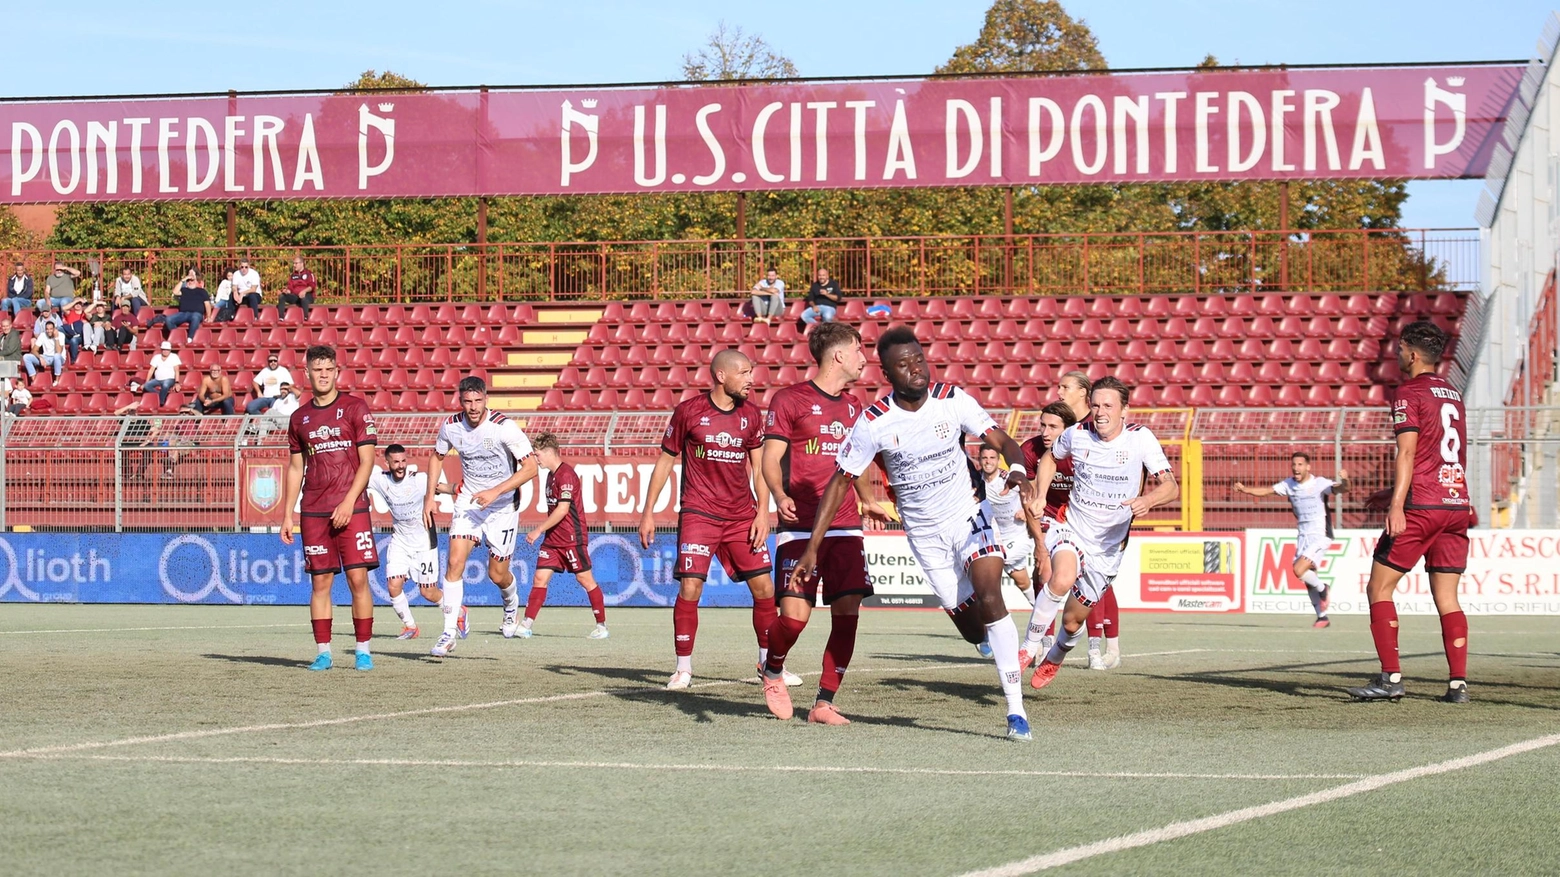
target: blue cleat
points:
(321, 661)
(984, 648)
(1018, 728)
(365, 661)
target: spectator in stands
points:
(300, 289)
(246, 286)
(48, 351)
(216, 393)
(163, 375)
(227, 305)
(286, 403)
(127, 290)
(194, 305)
(61, 285)
(823, 299)
(14, 397)
(73, 324)
(18, 291)
(123, 328)
(269, 383)
(95, 333)
(10, 341)
(768, 297)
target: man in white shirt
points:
(48, 351)
(268, 385)
(127, 290)
(1307, 495)
(246, 286)
(768, 297)
(414, 548)
(1111, 460)
(163, 375)
(1008, 519)
(288, 400)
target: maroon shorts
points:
(1440, 536)
(563, 558)
(700, 538)
(842, 567)
(327, 549)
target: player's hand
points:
(1139, 506)
(534, 535)
(786, 506)
(646, 529)
(1240, 488)
(758, 531)
(1026, 488)
(428, 508)
(1397, 522)
(287, 529)
(1042, 569)
(1343, 475)
(806, 568)
(874, 512)
(485, 498)
(342, 516)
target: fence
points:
(1134, 263)
(143, 473)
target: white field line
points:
(710, 768)
(135, 629)
(1176, 830)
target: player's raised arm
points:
(658, 479)
(1341, 486)
(1254, 491)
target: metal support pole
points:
(482, 255)
(1337, 511)
(238, 472)
(119, 475)
(5, 440)
(1283, 235)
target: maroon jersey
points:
(328, 437)
(1430, 406)
(714, 445)
(1061, 486)
(301, 282)
(813, 424)
(564, 486)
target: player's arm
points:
(435, 470)
(293, 486)
(1341, 485)
(343, 513)
(526, 471)
(1034, 509)
(553, 520)
(828, 506)
(1403, 478)
(774, 452)
(658, 477)
(1165, 489)
(869, 504)
(758, 532)
(1254, 491)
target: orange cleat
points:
(1045, 671)
(778, 697)
(408, 631)
(824, 713)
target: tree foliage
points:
(729, 53)
(1028, 36)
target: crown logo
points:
(386, 108)
(1455, 81)
(588, 103)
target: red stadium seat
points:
(1214, 306)
(1384, 304)
(963, 309)
(1090, 330)
(1188, 307)
(663, 399)
(1147, 329)
(1271, 305)
(1075, 306)
(552, 400)
(1129, 306)
(1300, 305)
(1321, 396)
(1005, 330)
(1310, 348)
(966, 352)
(621, 377)
(1080, 351)
(1010, 375)
(1183, 372)
(1196, 351)
(1172, 396)
(1137, 350)
(1158, 306)
(1050, 351)
(1203, 396)
(1204, 328)
(1041, 375)
(1252, 350)
(634, 399)
(1125, 372)
(1046, 308)
(1154, 373)
(1290, 327)
(1259, 396)
(1176, 328)
(1210, 373)
(636, 355)
(1097, 370)
(1376, 396)
(1233, 327)
(935, 310)
(594, 378)
(1028, 398)
(1118, 329)
(998, 397)
(1300, 373)
(1290, 396)
(1241, 373)
(1108, 350)
(1270, 372)
(1102, 306)
(1281, 350)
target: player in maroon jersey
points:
(1056, 564)
(331, 439)
(802, 434)
(719, 436)
(564, 536)
(1428, 515)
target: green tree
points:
(1028, 36)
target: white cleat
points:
(524, 632)
(1112, 659)
(679, 681)
(598, 632)
(445, 645)
(1096, 662)
(511, 623)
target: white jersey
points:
(1307, 499)
(923, 452)
(405, 499)
(1006, 508)
(1106, 476)
(490, 453)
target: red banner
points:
(1421, 122)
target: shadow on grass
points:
(973, 660)
(264, 660)
(621, 675)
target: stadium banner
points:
(256, 568)
(1176, 572)
(1215, 125)
(1510, 572)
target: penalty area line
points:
(1177, 830)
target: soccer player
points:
(724, 504)
(1110, 461)
(1428, 516)
(414, 550)
(1009, 520)
(330, 441)
(918, 431)
(1307, 496)
(804, 428)
(565, 539)
(1057, 566)
(495, 459)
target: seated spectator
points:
(286, 403)
(60, 288)
(194, 305)
(10, 341)
(269, 382)
(14, 397)
(300, 289)
(123, 328)
(227, 306)
(216, 393)
(823, 299)
(48, 351)
(246, 286)
(95, 333)
(163, 375)
(768, 297)
(73, 323)
(127, 290)
(18, 293)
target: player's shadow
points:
(609, 674)
(264, 660)
(982, 692)
(914, 723)
(972, 660)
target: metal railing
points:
(1033, 264)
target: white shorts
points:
(495, 527)
(1313, 547)
(1097, 567)
(416, 562)
(1019, 551)
(945, 554)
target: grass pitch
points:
(190, 740)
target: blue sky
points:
(96, 47)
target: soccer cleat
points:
(598, 632)
(824, 713)
(679, 681)
(1024, 658)
(1096, 661)
(1379, 688)
(523, 632)
(462, 626)
(511, 623)
(409, 631)
(1112, 659)
(1321, 623)
(1455, 694)
(791, 679)
(984, 648)
(777, 697)
(1321, 609)
(445, 645)
(364, 661)
(321, 661)
(1018, 728)
(1045, 671)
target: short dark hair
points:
(471, 384)
(893, 338)
(318, 352)
(544, 441)
(827, 336)
(395, 449)
(1302, 455)
(1425, 337)
(1062, 411)
(1109, 382)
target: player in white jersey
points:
(1008, 519)
(1111, 460)
(918, 433)
(495, 459)
(1307, 495)
(414, 549)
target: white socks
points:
(1312, 580)
(403, 610)
(454, 596)
(324, 648)
(1003, 637)
(511, 597)
(1047, 605)
(685, 664)
(1064, 643)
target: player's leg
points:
(1070, 630)
(598, 602)
(697, 537)
(355, 545)
(453, 593)
(398, 569)
(500, 532)
(320, 617)
(1050, 598)
(321, 561)
(793, 609)
(1394, 557)
(1445, 561)
(985, 578)
(1110, 612)
(844, 617)
(536, 599)
(1305, 571)
(1095, 625)
(744, 564)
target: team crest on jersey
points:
(744, 423)
(1121, 458)
(943, 430)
